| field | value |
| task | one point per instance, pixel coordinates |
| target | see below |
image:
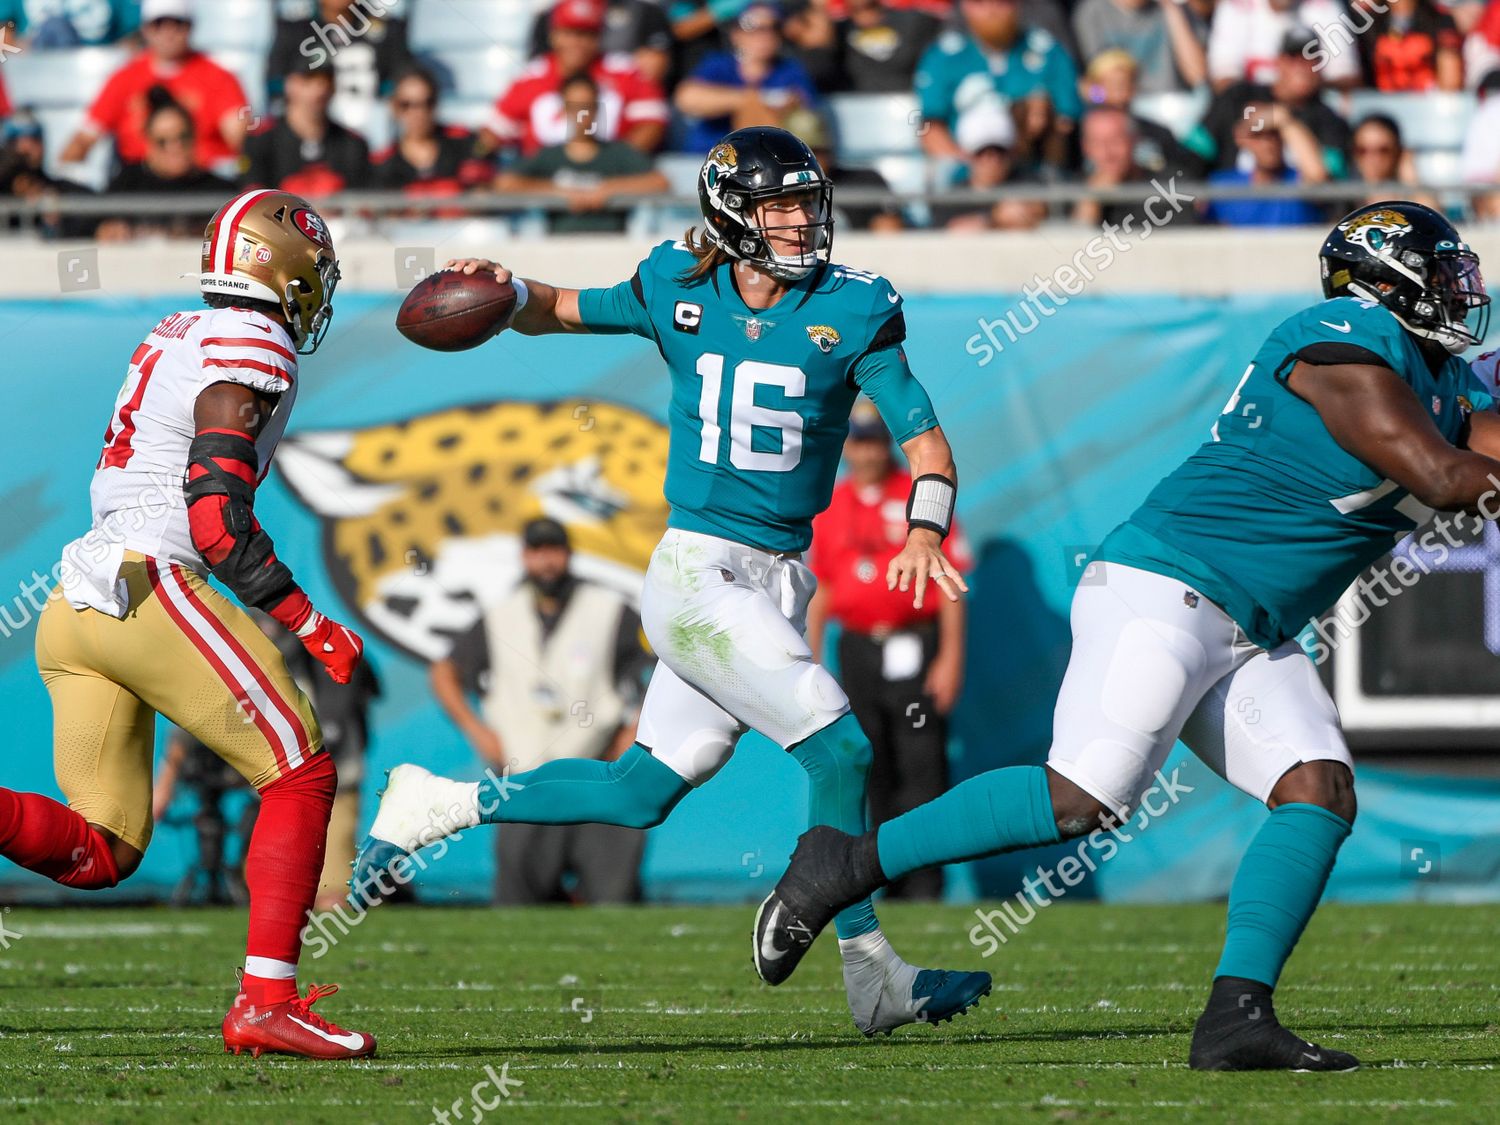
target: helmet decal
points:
(311, 224)
(1371, 228)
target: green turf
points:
(112, 1015)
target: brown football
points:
(449, 311)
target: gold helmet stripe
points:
(229, 227)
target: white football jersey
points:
(136, 494)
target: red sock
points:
(282, 867)
(51, 839)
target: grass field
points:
(655, 1015)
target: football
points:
(449, 311)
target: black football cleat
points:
(1239, 1031)
(829, 871)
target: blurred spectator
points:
(1380, 157)
(1243, 41)
(1296, 84)
(1110, 143)
(1480, 24)
(209, 92)
(986, 134)
(46, 24)
(366, 43)
(537, 658)
(1162, 36)
(1409, 46)
(428, 159)
(882, 218)
(1110, 81)
(169, 169)
(22, 176)
(755, 83)
(214, 879)
(1265, 137)
(902, 667)
(996, 54)
(705, 26)
(637, 28)
(878, 46)
(632, 108)
(1480, 162)
(305, 151)
(583, 170)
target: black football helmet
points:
(745, 169)
(1410, 259)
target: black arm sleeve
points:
(249, 567)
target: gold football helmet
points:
(272, 246)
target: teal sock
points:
(997, 811)
(1277, 888)
(636, 791)
(837, 761)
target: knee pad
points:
(819, 692)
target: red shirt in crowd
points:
(530, 113)
(204, 88)
(853, 543)
(1405, 61)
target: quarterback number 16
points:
(745, 415)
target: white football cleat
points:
(417, 808)
(886, 993)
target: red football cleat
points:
(293, 1028)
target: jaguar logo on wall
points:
(422, 518)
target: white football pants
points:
(1153, 661)
(727, 624)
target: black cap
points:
(865, 423)
(1297, 40)
(545, 532)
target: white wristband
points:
(310, 626)
(522, 295)
(931, 503)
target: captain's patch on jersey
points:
(825, 337)
(686, 317)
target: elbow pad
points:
(220, 492)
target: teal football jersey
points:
(1271, 518)
(761, 399)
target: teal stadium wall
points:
(1058, 437)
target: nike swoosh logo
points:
(266, 328)
(348, 1039)
(768, 950)
(1344, 327)
(893, 297)
(1311, 1057)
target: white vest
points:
(558, 698)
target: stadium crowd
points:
(596, 99)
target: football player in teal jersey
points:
(1353, 423)
(768, 344)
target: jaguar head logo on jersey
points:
(421, 519)
(825, 337)
(272, 246)
(1410, 260)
